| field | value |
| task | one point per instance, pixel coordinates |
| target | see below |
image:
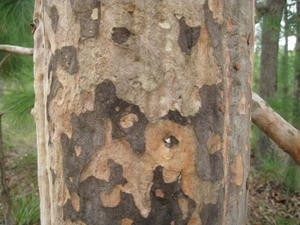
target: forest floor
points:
(269, 202)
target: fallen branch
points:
(278, 129)
(16, 49)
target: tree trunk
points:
(143, 111)
(4, 188)
(297, 69)
(268, 68)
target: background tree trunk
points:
(297, 69)
(268, 68)
(143, 111)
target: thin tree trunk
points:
(297, 69)
(5, 193)
(143, 111)
(268, 69)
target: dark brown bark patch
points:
(89, 27)
(176, 117)
(107, 103)
(188, 36)
(54, 16)
(120, 34)
(164, 207)
(88, 131)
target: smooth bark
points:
(278, 129)
(16, 49)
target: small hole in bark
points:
(170, 141)
(120, 34)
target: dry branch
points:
(17, 49)
(278, 129)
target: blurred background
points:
(274, 196)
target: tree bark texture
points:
(143, 111)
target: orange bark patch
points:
(128, 120)
(183, 204)
(130, 8)
(242, 106)
(214, 143)
(111, 199)
(77, 150)
(217, 7)
(195, 220)
(75, 200)
(237, 168)
(159, 193)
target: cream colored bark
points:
(143, 111)
(278, 129)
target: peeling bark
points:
(142, 110)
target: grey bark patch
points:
(211, 214)
(215, 31)
(120, 34)
(67, 58)
(55, 84)
(216, 166)
(188, 36)
(54, 16)
(83, 10)
(207, 121)
(53, 174)
(87, 133)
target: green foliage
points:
(16, 17)
(26, 209)
(17, 71)
(285, 221)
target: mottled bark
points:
(143, 111)
(268, 66)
